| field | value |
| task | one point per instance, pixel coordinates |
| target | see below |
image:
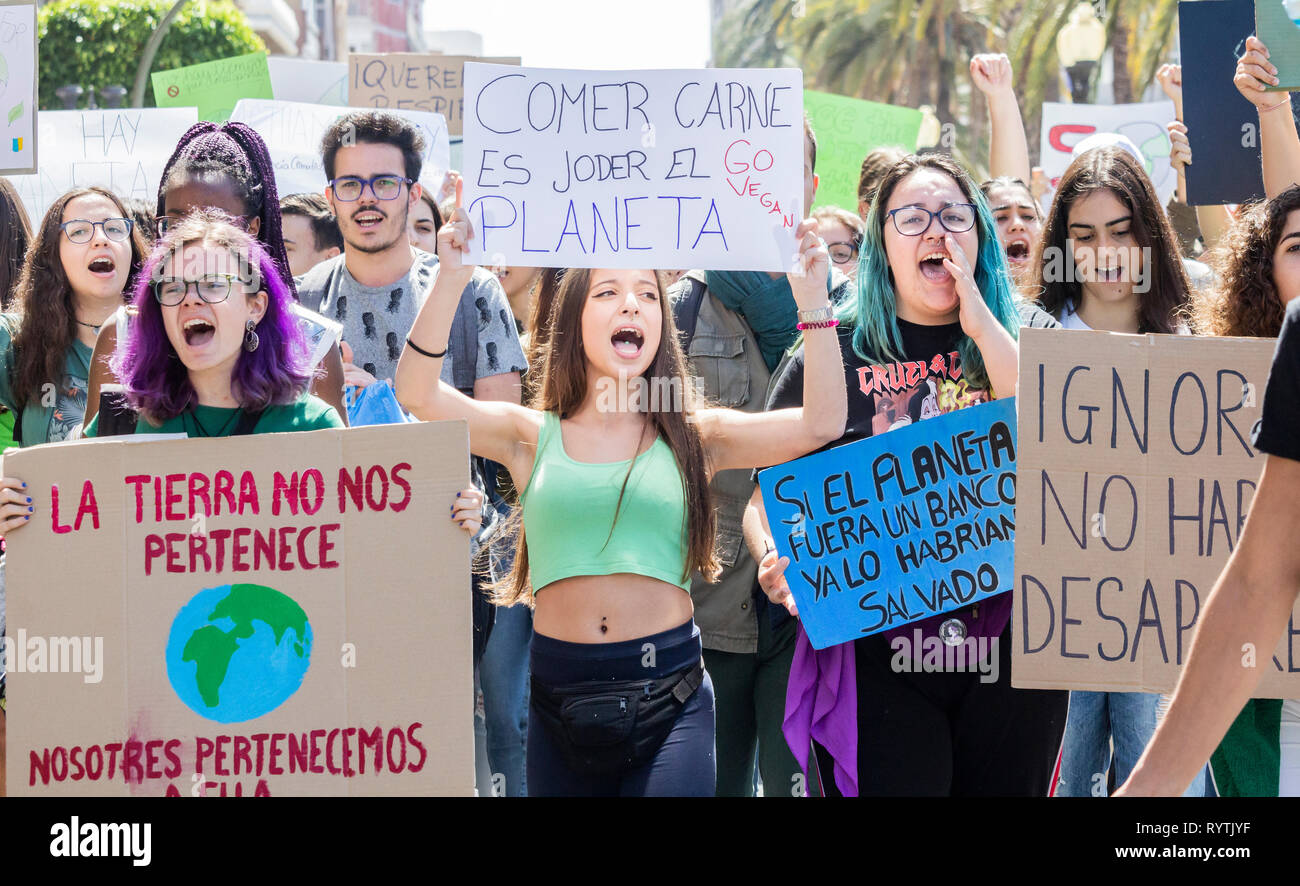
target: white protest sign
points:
(17, 87)
(1065, 125)
(634, 169)
(293, 131)
(313, 82)
(122, 150)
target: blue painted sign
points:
(898, 527)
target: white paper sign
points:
(1065, 125)
(313, 82)
(123, 151)
(17, 88)
(293, 131)
(634, 169)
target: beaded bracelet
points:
(820, 324)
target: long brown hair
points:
(1112, 169)
(1245, 301)
(44, 301)
(562, 374)
(14, 241)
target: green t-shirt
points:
(307, 413)
(52, 418)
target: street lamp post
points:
(1080, 45)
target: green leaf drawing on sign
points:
(15, 112)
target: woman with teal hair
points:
(932, 329)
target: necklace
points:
(91, 326)
(203, 432)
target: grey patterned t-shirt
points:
(377, 319)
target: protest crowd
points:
(635, 632)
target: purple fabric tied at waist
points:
(821, 699)
(994, 613)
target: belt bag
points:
(604, 727)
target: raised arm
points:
(1008, 147)
(504, 432)
(742, 440)
(100, 374)
(1246, 614)
(1278, 142)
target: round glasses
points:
(913, 221)
(79, 230)
(843, 251)
(349, 188)
(212, 288)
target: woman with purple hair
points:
(214, 348)
(228, 167)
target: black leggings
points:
(949, 734)
(684, 765)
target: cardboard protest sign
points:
(293, 131)
(899, 527)
(214, 87)
(311, 82)
(242, 616)
(122, 150)
(847, 130)
(1065, 125)
(414, 81)
(1136, 473)
(17, 87)
(1222, 127)
(633, 169)
(1278, 24)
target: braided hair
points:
(232, 152)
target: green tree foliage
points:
(98, 42)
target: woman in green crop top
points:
(616, 511)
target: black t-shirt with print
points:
(1278, 432)
(886, 394)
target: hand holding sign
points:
(808, 279)
(453, 240)
(771, 578)
(1255, 73)
(1180, 148)
(17, 508)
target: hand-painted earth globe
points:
(236, 652)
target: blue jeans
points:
(503, 675)
(1096, 719)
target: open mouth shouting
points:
(102, 266)
(1018, 251)
(627, 341)
(368, 219)
(198, 332)
(932, 267)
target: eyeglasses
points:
(349, 188)
(913, 221)
(212, 288)
(844, 251)
(79, 230)
(164, 223)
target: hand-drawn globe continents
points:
(1152, 140)
(236, 652)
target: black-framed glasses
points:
(349, 188)
(211, 288)
(843, 251)
(79, 230)
(163, 223)
(913, 221)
